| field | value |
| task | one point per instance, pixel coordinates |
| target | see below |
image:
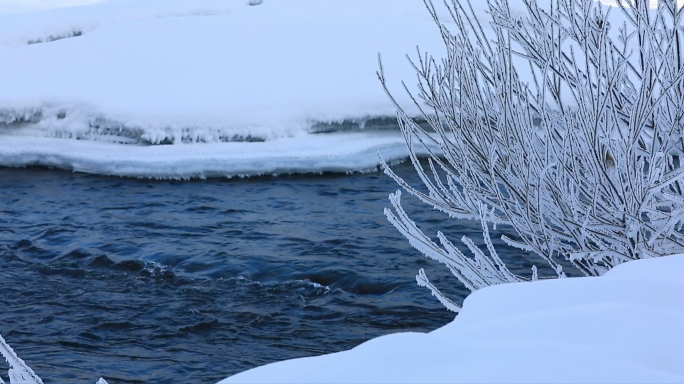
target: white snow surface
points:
(17, 6)
(335, 152)
(266, 70)
(198, 72)
(622, 327)
(153, 72)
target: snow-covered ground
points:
(17, 6)
(235, 89)
(334, 152)
(622, 327)
(147, 72)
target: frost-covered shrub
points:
(19, 372)
(565, 124)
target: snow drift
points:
(157, 72)
(153, 72)
(308, 154)
(620, 327)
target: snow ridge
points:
(68, 122)
(297, 77)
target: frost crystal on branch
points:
(565, 124)
(19, 372)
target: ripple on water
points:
(164, 281)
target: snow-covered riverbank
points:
(266, 70)
(622, 327)
(334, 152)
(203, 71)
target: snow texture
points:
(154, 72)
(621, 327)
(307, 154)
(18, 6)
(200, 71)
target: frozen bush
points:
(565, 124)
(19, 372)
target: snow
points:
(307, 154)
(149, 72)
(16, 6)
(240, 90)
(622, 327)
(199, 71)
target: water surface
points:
(145, 281)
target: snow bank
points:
(80, 83)
(151, 72)
(307, 154)
(622, 327)
(18, 6)
(270, 70)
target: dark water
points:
(144, 281)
